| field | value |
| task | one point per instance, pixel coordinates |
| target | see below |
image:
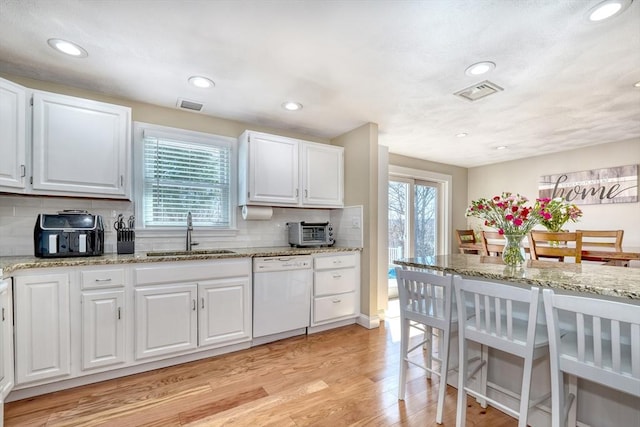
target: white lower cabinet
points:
(166, 320)
(80, 323)
(225, 311)
(42, 327)
(201, 305)
(336, 288)
(6, 340)
(103, 328)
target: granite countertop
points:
(610, 281)
(10, 264)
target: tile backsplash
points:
(18, 215)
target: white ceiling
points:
(568, 82)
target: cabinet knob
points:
(193, 305)
(337, 276)
(119, 313)
(336, 301)
(202, 302)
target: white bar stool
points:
(594, 339)
(425, 304)
(503, 317)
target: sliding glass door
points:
(413, 220)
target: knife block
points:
(126, 241)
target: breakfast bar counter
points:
(598, 405)
(601, 280)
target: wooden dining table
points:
(628, 253)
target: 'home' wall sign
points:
(597, 186)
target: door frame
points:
(444, 214)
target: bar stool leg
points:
(484, 352)
(526, 391)
(444, 337)
(572, 418)
(404, 346)
(463, 368)
(428, 346)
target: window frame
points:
(200, 138)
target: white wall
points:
(522, 176)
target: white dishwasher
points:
(281, 297)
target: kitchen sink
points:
(187, 253)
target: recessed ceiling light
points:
(501, 147)
(68, 48)
(201, 82)
(292, 106)
(462, 134)
(607, 9)
(479, 68)
(637, 84)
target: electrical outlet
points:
(355, 222)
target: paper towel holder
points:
(259, 213)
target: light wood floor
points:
(344, 377)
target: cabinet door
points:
(322, 175)
(42, 328)
(225, 311)
(166, 320)
(6, 340)
(273, 170)
(12, 136)
(80, 147)
(103, 328)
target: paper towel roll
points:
(256, 212)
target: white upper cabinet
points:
(322, 175)
(280, 171)
(80, 147)
(13, 139)
(268, 169)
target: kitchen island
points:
(600, 280)
(598, 405)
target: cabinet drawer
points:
(336, 261)
(180, 272)
(334, 281)
(105, 278)
(334, 306)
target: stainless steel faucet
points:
(190, 243)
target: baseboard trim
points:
(368, 322)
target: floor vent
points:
(190, 105)
(477, 91)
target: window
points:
(182, 171)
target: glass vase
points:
(513, 253)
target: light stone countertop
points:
(608, 281)
(8, 265)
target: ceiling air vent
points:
(477, 91)
(189, 105)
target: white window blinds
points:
(182, 176)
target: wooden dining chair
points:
(597, 239)
(466, 237)
(542, 244)
(489, 246)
